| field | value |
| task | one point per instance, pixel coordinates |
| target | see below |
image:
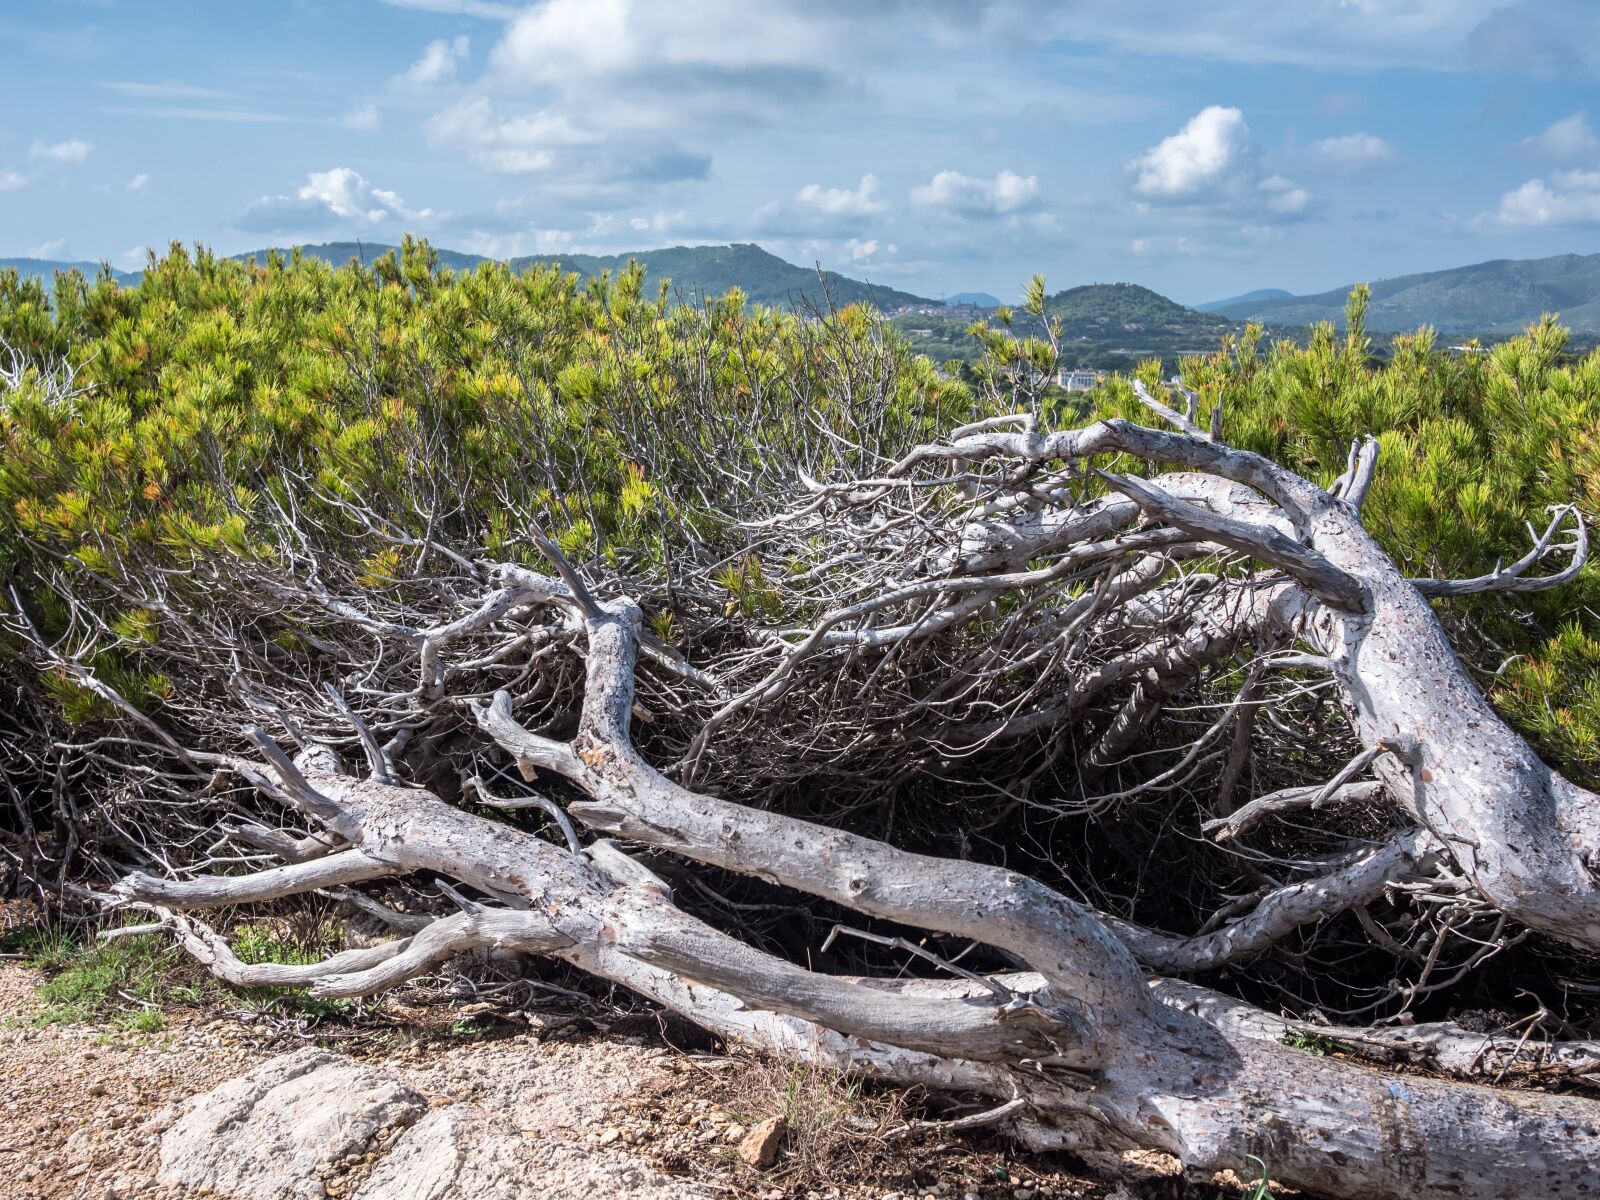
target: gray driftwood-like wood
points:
(1092, 1048)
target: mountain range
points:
(1497, 297)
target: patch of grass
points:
(145, 1020)
(90, 979)
(1313, 1043)
(275, 943)
(290, 943)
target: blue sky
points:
(941, 145)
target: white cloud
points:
(74, 150)
(1352, 152)
(11, 181)
(583, 39)
(133, 258)
(333, 198)
(56, 248)
(364, 118)
(137, 182)
(953, 192)
(1284, 196)
(1211, 170)
(511, 145)
(438, 63)
(1197, 159)
(1569, 138)
(841, 202)
(1569, 198)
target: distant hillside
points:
(1101, 309)
(1108, 325)
(712, 270)
(1501, 296)
(693, 270)
(1254, 297)
(46, 268)
(339, 253)
(976, 299)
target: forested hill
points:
(1129, 308)
(1502, 296)
(692, 270)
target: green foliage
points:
(601, 414)
(217, 392)
(1474, 447)
(1313, 1044)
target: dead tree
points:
(1007, 585)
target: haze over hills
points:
(1501, 296)
(1254, 297)
(976, 299)
(45, 268)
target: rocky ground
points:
(585, 1107)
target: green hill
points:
(1107, 310)
(712, 270)
(1502, 296)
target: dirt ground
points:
(81, 1105)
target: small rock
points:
(760, 1146)
(734, 1133)
(610, 1134)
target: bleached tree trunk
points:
(1087, 1050)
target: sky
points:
(1201, 149)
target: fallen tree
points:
(1136, 616)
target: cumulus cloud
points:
(11, 181)
(330, 199)
(438, 63)
(55, 248)
(136, 184)
(953, 192)
(841, 202)
(1211, 168)
(1566, 139)
(1567, 198)
(74, 150)
(1352, 152)
(1199, 158)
